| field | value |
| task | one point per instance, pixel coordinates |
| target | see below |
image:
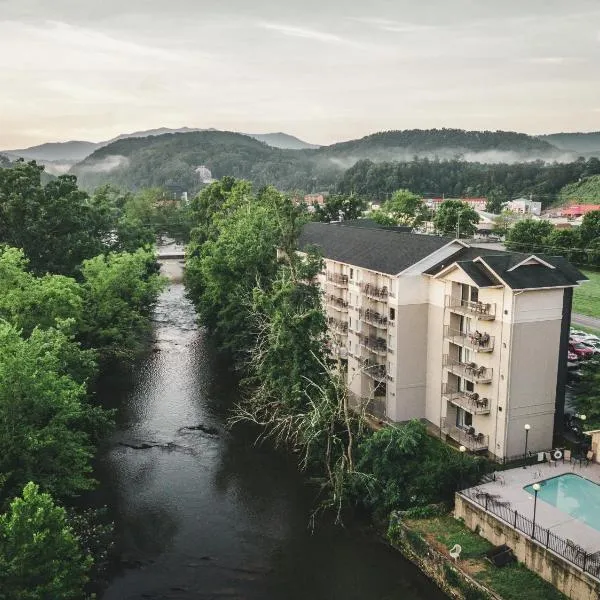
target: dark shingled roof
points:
(375, 249)
(372, 224)
(527, 276)
(479, 274)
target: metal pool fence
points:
(567, 549)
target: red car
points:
(581, 350)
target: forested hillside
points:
(586, 191)
(586, 143)
(171, 159)
(378, 181)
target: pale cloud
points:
(305, 33)
(325, 71)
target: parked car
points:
(582, 336)
(595, 346)
(581, 350)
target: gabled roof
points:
(382, 250)
(369, 223)
(547, 271)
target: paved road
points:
(577, 319)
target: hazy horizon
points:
(323, 72)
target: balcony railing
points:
(373, 317)
(374, 344)
(372, 291)
(477, 341)
(373, 369)
(337, 302)
(482, 310)
(337, 279)
(468, 370)
(471, 401)
(468, 437)
(337, 325)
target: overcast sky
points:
(324, 70)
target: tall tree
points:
(46, 423)
(455, 218)
(590, 228)
(529, 235)
(339, 206)
(40, 557)
(406, 208)
(57, 225)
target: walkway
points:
(593, 322)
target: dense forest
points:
(458, 178)
(171, 159)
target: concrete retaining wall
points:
(567, 578)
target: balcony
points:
(468, 370)
(481, 310)
(337, 279)
(374, 292)
(374, 344)
(466, 437)
(470, 401)
(373, 369)
(337, 325)
(476, 341)
(337, 303)
(373, 317)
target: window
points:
(351, 273)
(474, 294)
(392, 314)
(350, 322)
(464, 419)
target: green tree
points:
(406, 208)
(495, 199)
(503, 222)
(40, 557)
(28, 301)
(564, 242)
(120, 291)
(455, 218)
(529, 235)
(339, 206)
(46, 423)
(403, 466)
(57, 225)
(382, 218)
(590, 228)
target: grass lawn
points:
(586, 299)
(512, 582)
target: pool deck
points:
(509, 488)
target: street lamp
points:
(536, 489)
(527, 428)
(462, 450)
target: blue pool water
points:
(575, 495)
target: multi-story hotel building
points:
(472, 340)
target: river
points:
(205, 513)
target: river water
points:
(206, 514)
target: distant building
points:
(204, 175)
(311, 201)
(524, 206)
(474, 203)
(578, 210)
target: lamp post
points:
(462, 450)
(536, 489)
(527, 428)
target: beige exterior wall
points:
(411, 349)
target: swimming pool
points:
(575, 495)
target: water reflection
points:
(207, 514)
